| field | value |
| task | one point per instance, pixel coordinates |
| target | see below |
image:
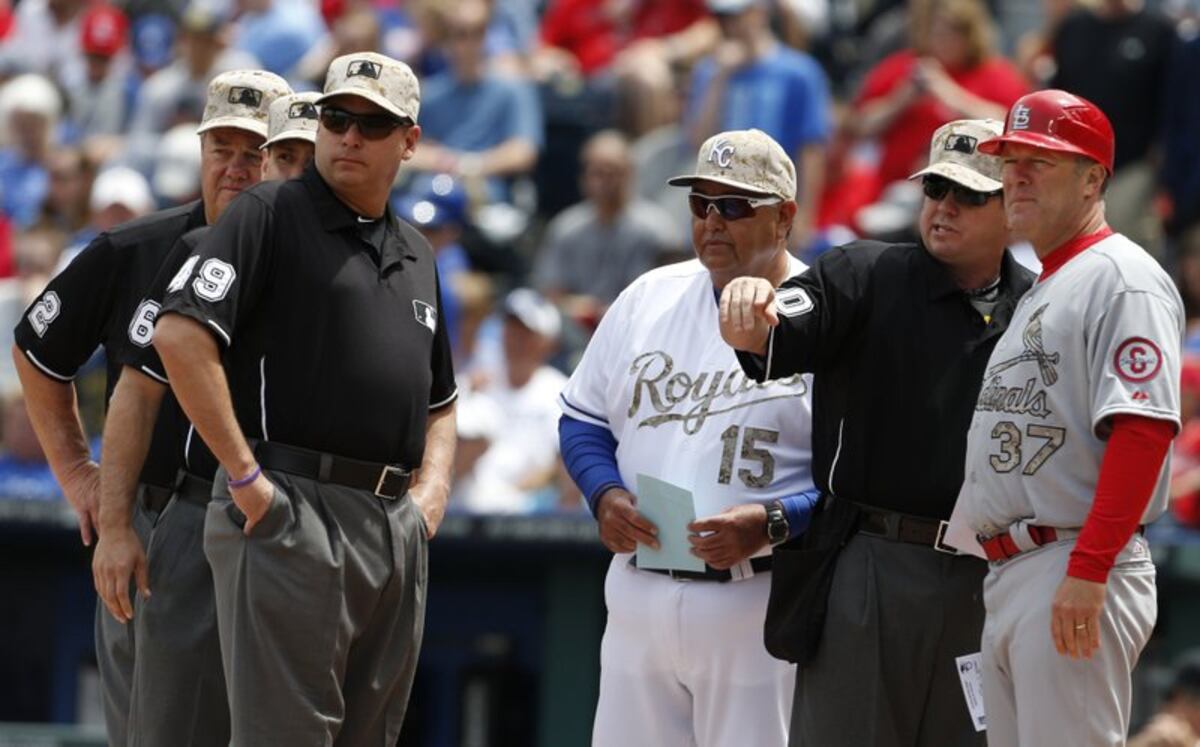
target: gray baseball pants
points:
(178, 693)
(885, 674)
(115, 648)
(1035, 697)
(320, 613)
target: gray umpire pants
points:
(320, 612)
(884, 674)
(178, 695)
(115, 650)
(1035, 697)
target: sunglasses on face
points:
(936, 188)
(729, 207)
(370, 126)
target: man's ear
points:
(408, 143)
(787, 216)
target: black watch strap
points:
(778, 528)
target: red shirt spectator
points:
(594, 31)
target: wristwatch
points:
(777, 523)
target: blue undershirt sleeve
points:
(590, 455)
(799, 508)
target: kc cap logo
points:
(251, 97)
(749, 160)
(721, 154)
(293, 118)
(387, 83)
(961, 143)
(1020, 117)
(241, 99)
(426, 315)
(365, 68)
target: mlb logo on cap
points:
(293, 117)
(961, 144)
(363, 67)
(245, 96)
(302, 110)
(241, 99)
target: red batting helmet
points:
(1060, 121)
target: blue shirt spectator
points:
(278, 32)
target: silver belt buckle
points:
(939, 543)
(383, 474)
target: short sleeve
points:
(585, 397)
(231, 265)
(138, 352)
(1135, 353)
(443, 389)
(67, 322)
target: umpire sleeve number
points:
(1009, 437)
(213, 281)
(750, 452)
(141, 329)
(45, 311)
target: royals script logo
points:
(671, 396)
(1030, 398)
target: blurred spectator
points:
(522, 456)
(277, 32)
(1177, 722)
(35, 254)
(24, 473)
(1034, 55)
(66, 205)
(440, 214)
(177, 165)
(1181, 144)
(1117, 55)
(1185, 467)
(29, 109)
(44, 39)
(635, 44)
(477, 126)
(152, 40)
(592, 250)
(950, 71)
(98, 99)
(118, 195)
(754, 81)
(356, 30)
(176, 93)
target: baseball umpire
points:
(658, 393)
(291, 137)
(897, 336)
(91, 303)
(1067, 454)
(323, 308)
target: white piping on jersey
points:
(187, 444)
(837, 454)
(222, 332)
(46, 369)
(770, 353)
(262, 395)
(444, 402)
(150, 372)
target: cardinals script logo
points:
(1029, 399)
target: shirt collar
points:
(941, 283)
(1068, 251)
(336, 216)
(196, 216)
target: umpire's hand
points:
(748, 313)
(621, 526)
(119, 558)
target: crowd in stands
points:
(549, 128)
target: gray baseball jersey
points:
(1100, 337)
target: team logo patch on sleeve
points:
(426, 315)
(1137, 360)
(793, 302)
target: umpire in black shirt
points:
(897, 337)
(323, 308)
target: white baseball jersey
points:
(1101, 336)
(658, 375)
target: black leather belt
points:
(898, 527)
(188, 487)
(760, 564)
(383, 480)
(154, 498)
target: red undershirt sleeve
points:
(1129, 471)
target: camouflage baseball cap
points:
(242, 99)
(749, 160)
(293, 117)
(379, 79)
(954, 154)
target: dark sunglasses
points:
(370, 126)
(729, 207)
(936, 188)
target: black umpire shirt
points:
(330, 325)
(197, 458)
(898, 354)
(98, 300)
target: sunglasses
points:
(370, 126)
(729, 207)
(936, 188)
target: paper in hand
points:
(671, 509)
